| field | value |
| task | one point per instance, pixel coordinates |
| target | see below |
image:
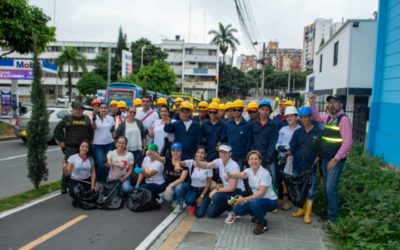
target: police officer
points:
(70, 132)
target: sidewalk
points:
(285, 232)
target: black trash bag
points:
(110, 197)
(83, 198)
(298, 187)
(166, 150)
(141, 201)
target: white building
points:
(344, 64)
(195, 65)
(54, 85)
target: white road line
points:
(29, 204)
(146, 243)
(24, 155)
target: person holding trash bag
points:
(304, 147)
(80, 168)
(262, 199)
(120, 162)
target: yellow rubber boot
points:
(307, 214)
(300, 212)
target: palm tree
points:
(74, 60)
(224, 38)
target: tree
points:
(19, 23)
(90, 83)
(150, 54)
(234, 82)
(74, 60)
(225, 39)
(38, 129)
(121, 44)
(158, 77)
(100, 65)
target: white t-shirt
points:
(120, 164)
(231, 167)
(262, 178)
(132, 132)
(81, 168)
(158, 178)
(285, 135)
(102, 134)
(199, 175)
(187, 124)
(149, 121)
(160, 134)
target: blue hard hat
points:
(264, 102)
(176, 146)
(303, 111)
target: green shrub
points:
(370, 204)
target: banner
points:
(6, 109)
(101, 95)
(126, 63)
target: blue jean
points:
(100, 153)
(311, 188)
(126, 185)
(331, 181)
(191, 197)
(155, 189)
(137, 157)
(219, 203)
(257, 207)
(178, 193)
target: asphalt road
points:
(120, 229)
(13, 167)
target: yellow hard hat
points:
(121, 104)
(216, 100)
(203, 106)
(228, 105)
(238, 104)
(282, 101)
(213, 105)
(252, 106)
(173, 108)
(113, 102)
(289, 103)
(137, 102)
(178, 99)
(186, 105)
(220, 107)
(162, 101)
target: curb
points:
(9, 138)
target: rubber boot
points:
(307, 214)
(300, 212)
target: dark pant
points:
(280, 177)
(137, 157)
(100, 153)
(191, 197)
(155, 189)
(219, 203)
(257, 207)
(68, 151)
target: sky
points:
(281, 20)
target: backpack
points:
(110, 197)
(141, 200)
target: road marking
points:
(178, 234)
(24, 155)
(53, 233)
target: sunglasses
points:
(213, 112)
(132, 112)
(251, 112)
(238, 110)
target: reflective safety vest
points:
(331, 140)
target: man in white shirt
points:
(147, 115)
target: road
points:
(14, 171)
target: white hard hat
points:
(290, 111)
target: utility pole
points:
(109, 66)
(288, 82)
(263, 72)
(141, 55)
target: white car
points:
(63, 100)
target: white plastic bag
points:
(288, 166)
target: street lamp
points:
(141, 55)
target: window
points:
(335, 53)
(320, 63)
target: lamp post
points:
(141, 55)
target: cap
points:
(176, 146)
(76, 105)
(152, 147)
(225, 147)
(336, 97)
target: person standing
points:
(147, 115)
(160, 137)
(336, 143)
(252, 111)
(211, 132)
(279, 119)
(221, 112)
(202, 117)
(135, 132)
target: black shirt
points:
(171, 175)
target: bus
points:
(123, 91)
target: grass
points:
(22, 198)
(6, 129)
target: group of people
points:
(228, 157)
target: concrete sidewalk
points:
(285, 232)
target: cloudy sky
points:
(282, 20)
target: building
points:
(314, 36)
(344, 65)
(195, 66)
(282, 58)
(53, 84)
(247, 62)
(384, 135)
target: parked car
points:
(64, 99)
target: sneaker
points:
(173, 204)
(160, 200)
(260, 227)
(178, 209)
(231, 218)
(192, 210)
